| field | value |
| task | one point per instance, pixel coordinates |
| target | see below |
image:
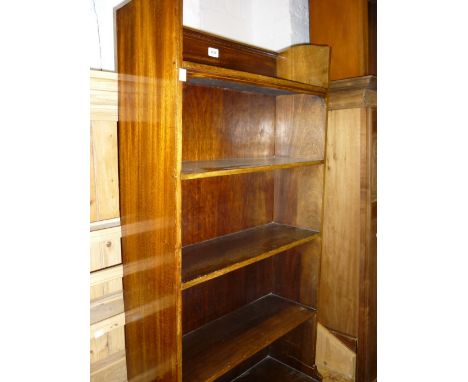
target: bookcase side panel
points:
(150, 99)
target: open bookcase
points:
(221, 166)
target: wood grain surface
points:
(305, 63)
(247, 200)
(217, 297)
(339, 284)
(224, 124)
(232, 55)
(149, 51)
(113, 369)
(104, 95)
(107, 345)
(222, 167)
(214, 349)
(227, 78)
(297, 273)
(105, 249)
(104, 184)
(271, 370)
(216, 257)
(343, 25)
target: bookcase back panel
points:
(300, 126)
(208, 301)
(298, 197)
(220, 123)
(218, 206)
(297, 348)
(297, 273)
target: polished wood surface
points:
(232, 55)
(247, 199)
(367, 331)
(348, 276)
(372, 37)
(343, 25)
(149, 51)
(216, 257)
(305, 63)
(226, 124)
(339, 284)
(353, 92)
(226, 114)
(301, 122)
(301, 131)
(208, 75)
(206, 302)
(222, 167)
(217, 347)
(244, 366)
(364, 82)
(298, 197)
(300, 126)
(271, 370)
(297, 348)
(297, 273)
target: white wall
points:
(270, 24)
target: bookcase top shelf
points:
(222, 167)
(213, 258)
(208, 75)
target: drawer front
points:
(105, 248)
(111, 369)
(106, 345)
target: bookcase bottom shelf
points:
(217, 347)
(271, 370)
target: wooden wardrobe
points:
(221, 172)
(348, 286)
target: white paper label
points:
(182, 75)
(213, 52)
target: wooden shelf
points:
(222, 167)
(213, 258)
(271, 370)
(207, 75)
(214, 349)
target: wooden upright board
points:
(342, 24)
(348, 275)
(149, 54)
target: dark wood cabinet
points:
(221, 186)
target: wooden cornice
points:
(353, 93)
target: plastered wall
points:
(270, 24)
